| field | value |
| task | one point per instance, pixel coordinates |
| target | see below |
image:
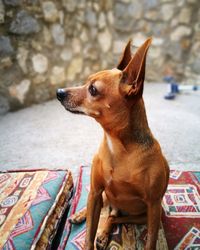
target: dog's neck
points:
(133, 128)
(139, 128)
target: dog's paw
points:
(102, 241)
(78, 217)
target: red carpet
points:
(181, 216)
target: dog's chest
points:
(121, 192)
(120, 182)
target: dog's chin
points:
(74, 111)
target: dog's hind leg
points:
(78, 217)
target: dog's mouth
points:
(74, 110)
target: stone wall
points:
(49, 44)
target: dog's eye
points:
(93, 91)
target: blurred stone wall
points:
(49, 44)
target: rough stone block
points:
(70, 5)
(66, 54)
(24, 24)
(149, 4)
(6, 62)
(180, 32)
(105, 40)
(2, 12)
(196, 65)
(20, 90)
(22, 56)
(167, 11)
(126, 15)
(118, 46)
(58, 75)
(74, 68)
(90, 18)
(50, 11)
(102, 20)
(185, 15)
(6, 48)
(13, 2)
(58, 34)
(40, 63)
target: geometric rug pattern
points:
(27, 199)
(124, 236)
(181, 205)
(180, 227)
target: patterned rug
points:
(181, 216)
(180, 219)
(31, 205)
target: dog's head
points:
(108, 95)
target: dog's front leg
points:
(153, 223)
(94, 206)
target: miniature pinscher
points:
(129, 166)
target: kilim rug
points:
(181, 216)
(32, 203)
(123, 237)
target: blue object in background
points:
(174, 88)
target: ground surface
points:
(46, 136)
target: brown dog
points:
(129, 166)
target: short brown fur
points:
(129, 166)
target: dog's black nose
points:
(61, 94)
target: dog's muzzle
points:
(61, 94)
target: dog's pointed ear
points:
(125, 57)
(133, 75)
